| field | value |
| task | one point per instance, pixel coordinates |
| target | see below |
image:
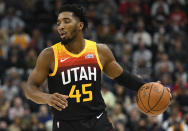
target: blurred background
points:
(148, 37)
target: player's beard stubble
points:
(68, 40)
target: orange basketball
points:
(153, 98)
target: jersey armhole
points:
(56, 61)
(97, 56)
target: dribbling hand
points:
(58, 101)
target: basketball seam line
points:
(142, 102)
(158, 100)
(162, 108)
(149, 97)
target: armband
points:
(129, 81)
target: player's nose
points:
(61, 26)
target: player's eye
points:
(58, 23)
(67, 21)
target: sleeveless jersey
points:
(79, 77)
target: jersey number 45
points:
(77, 95)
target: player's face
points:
(67, 26)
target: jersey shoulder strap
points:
(92, 45)
(55, 50)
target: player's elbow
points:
(27, 93)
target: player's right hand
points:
(58, 101)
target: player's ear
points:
(81, 25)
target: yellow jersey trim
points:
(56, 60)
(76, 55)
(97, 56)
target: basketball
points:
(153, 98)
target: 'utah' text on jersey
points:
(80, 74)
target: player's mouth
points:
(63, 35)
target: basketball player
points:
(73, 68)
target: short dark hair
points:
(78, 11)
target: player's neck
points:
(77, 45)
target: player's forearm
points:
(130, 81)
(35, 94)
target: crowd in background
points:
(148, 38)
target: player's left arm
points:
(114, 71)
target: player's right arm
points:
(36, 79)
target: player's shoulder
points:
(45, 58)
(101, 45)
(103, 48)
(47, 53)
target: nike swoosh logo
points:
(62, 60)
(99, 115)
